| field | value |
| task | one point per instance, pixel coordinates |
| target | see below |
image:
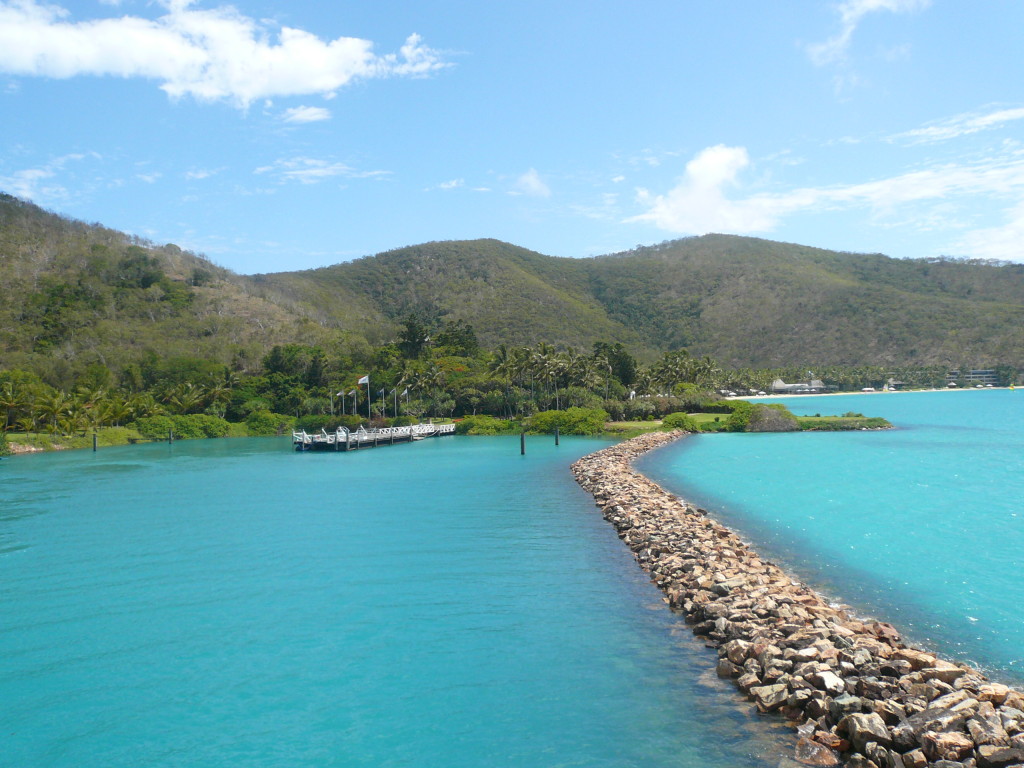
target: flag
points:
(364, 380)
(406, 392)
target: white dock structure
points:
(343, 439)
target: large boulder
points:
(908, 734)
(770, 697)
(948, 745)
(812, 753)
(863, 729)
(990, 756)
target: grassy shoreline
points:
(23, 443)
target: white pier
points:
(344, 439)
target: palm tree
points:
(11, 399)
(90, 404)
(185, 398)
(53, 407)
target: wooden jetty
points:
(343, 439)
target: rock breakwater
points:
(856, 693)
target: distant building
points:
(812, 387)
(984, 376)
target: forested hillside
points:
(756, 302)
(743, 301)
(508, 294)
(76, 294)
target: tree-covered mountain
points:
(743, 301)
(77, 294)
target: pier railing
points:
(343, 439)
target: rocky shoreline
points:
(855, 692)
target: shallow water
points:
(445, 603)
(922, 525)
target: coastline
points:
(855, 692)
(877, 392)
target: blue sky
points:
(287, 135)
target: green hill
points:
(753, 302)
(76, 294)
(743, 301)
(508, 294)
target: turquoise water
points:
(446, 603)
(922, 526)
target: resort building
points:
(984, 376)
(812, 387)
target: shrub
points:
(261, 423)
(772, 418)
(314, 422)
(719, 406)
(207, 424)
(740, 418)
(639, 409)
(578, 397)
(486, 425)
(615, 408)
(573, 421)
(190, 427)
(153, 427)
(5, 448)
(681, 421)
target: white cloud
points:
(149, 178)
(306, 114)
(530, 183)
(851, 12)
(453, 184)
(698, 203)
(201, 173)
(1004, 242)
(309, 170)
(211, 55)
(39, 183)
(961, 125)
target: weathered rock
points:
(908, 734)
(986, 727)
(746, 682)
(994, 692)
(862, 729)
(945, 674)
(829, 682)
(737, 651)
(915, 759)
(990, 756)
(812, 753)
(947, 745)
(843, 705)
(769, 697)
(726, 668)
